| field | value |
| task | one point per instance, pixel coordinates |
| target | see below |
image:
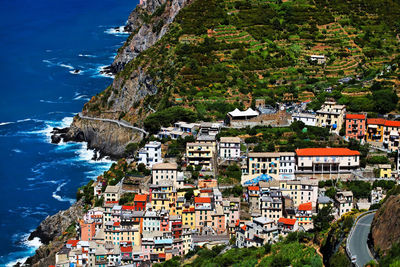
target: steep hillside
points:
(385, 227)
(214, 56)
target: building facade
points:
(355, 126)
(331, 115)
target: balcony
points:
(101, 261)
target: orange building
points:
(88, 230)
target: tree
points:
(385, 100)
(323, 219)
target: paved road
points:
(120, 123)
(358, 242)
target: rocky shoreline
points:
(52, 233)
(105, 139)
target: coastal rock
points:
(385, 227)
(50, 232)
(142, 26)
(107, 139)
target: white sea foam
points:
(86, 55)
(77, 97)
(66, 66)
(31, 245)
(60, 198)
(76, 72)
(6, 123)
(118, 31)
(16, 150)
(100, 72)
(46, 131)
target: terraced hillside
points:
(219, 55)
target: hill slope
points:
(213, 56)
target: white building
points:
(287, 165)
(326, 160)
(319, 59)
(344, 202)
(112, 193)
(165, 172)
(150, 154)
(308, 119)
(229, 148)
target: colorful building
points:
(355, 126)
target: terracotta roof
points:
(326, 152)
(253, 188)
(244, 227)
(72, 242)
(305, 206)
(287, 221)
(128, 207)
(140, 198)
(392, 123)
(355, 116)
(116, 223)
(376, 121)
(202, 200)
(126, 249)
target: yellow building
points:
(331, 115)
(262, 163)
(163, 196)
(201, 154)
(375, 130)
(385, 170)
(116, 234)
(189, 217)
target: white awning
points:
(394, 133)
(248, 112)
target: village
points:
(182, 204)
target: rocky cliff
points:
(53, 232)
(385, 228)
(147, 24)
(124, 99)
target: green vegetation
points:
(392, 257)
(378, 160)
(295, 251)
(219, 55)
(230, 175)
(127, 198)
(236, 191)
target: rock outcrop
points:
(147, 24)
(109, 139)
(51, 233)
(385, 228)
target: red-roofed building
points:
(140, 202)
(326, 160)
(355, 126)
(305, 206)
(375, 130)
(201, 200)
(391, 131)
(72, 243)
(304, 213)
(288, 225)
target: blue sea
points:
(42, 43)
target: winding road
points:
(358, 240)
(120, 123)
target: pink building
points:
(218, 223)
(88, 230)
(355, 126)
